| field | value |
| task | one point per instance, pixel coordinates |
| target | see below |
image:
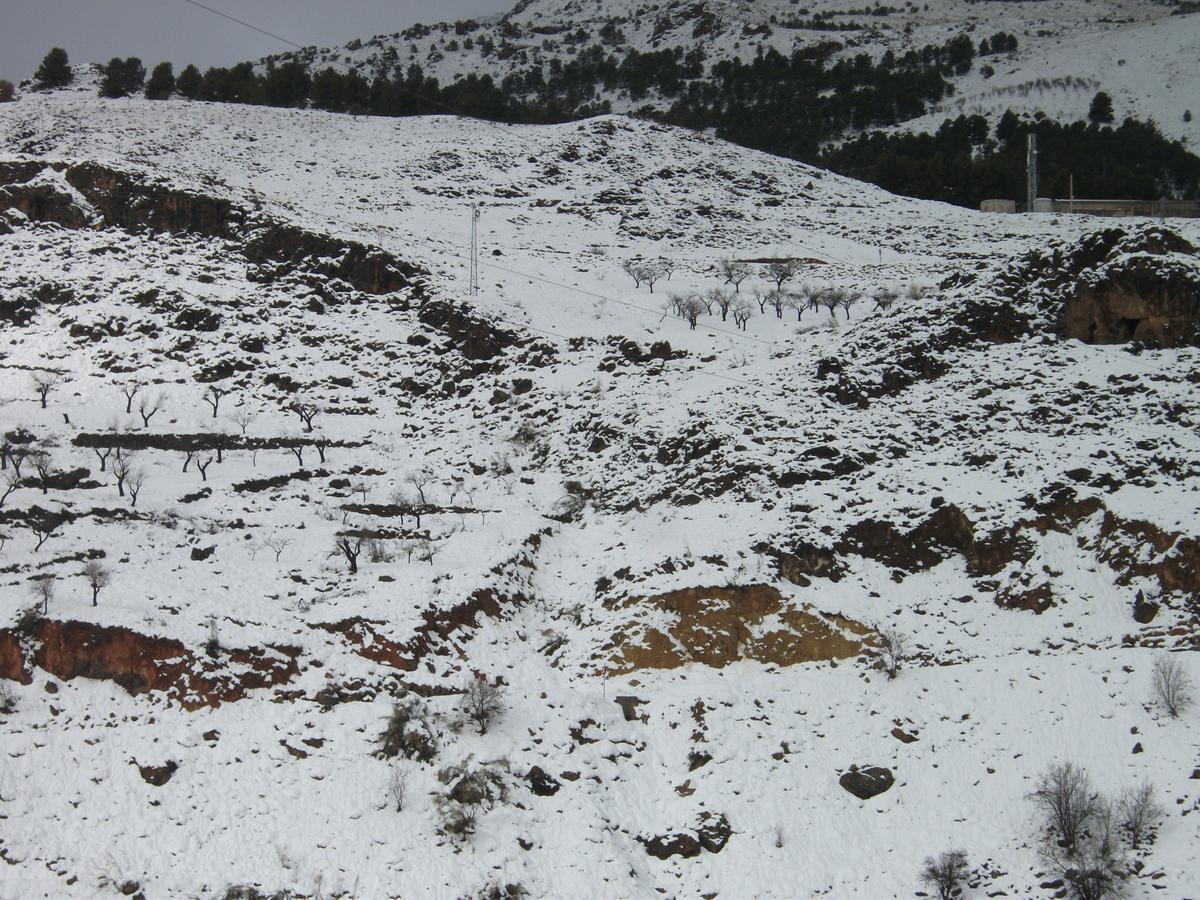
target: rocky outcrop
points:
(144, 664)
(716, 626)
(122, 200)
(711, 834)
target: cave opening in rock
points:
(1125, 328)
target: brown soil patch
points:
(716, 626)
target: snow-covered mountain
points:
(1146, 55)
(673, 549)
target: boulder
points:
(667, 845)
(867, 782)
(541, 784)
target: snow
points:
(993, 695)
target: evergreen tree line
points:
(796, 106)
(964, 162)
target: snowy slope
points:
(1146, 58)
(580, 488)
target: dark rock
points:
(668, 845)
(541, 784)
(868, 782)
(714, 832)
(157, 775)
(1144, 610)
(202, 553)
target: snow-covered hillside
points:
(1143, 54)
(558, 486)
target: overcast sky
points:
(155, 30)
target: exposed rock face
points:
(12, 658)
(141, 663)
(121, 200)
(717, 626)
(867, 782)
(1142, 298)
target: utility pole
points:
(474, 249)
(1031, 186)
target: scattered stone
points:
(541, 784)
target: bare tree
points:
(203, 467)
(418, 480)
(799, 303)
(654, 271)
(121, 468)
(1065, 796)
(405, 506)
(781, 271)
(667, 266)
(742, 311)
(946, 873)
(777, 299)
(44, 383)
(831, 299)
(427, 550)
(892, 646)
(43, 591)
(277, 543)
(482, 702)
(188, 456)
(17, 454)
(1093, 867)
(43, 465)
(297, 450)
(1172, 684)
(307, 411)
(43, 530)
(691, 310)
(350, 547)
(398, 786)
(8, 483)
(762, 300)
(102, 454)
(137, 479)
(130, 391)
(847, 300)
(148, 406)
(885, 298)
(213, 397)
(1139, 813)
(97, 578)
(321, 443)
(733, 273)
(723, 300)
(242, 417)
(633, 268)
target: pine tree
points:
(188, 83)
(122, 77)
(1101, 112)
(55, 70)
(161, 83)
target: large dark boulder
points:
(679, 844)
(867, 782)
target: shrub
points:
(408, 732)
(6, 91)
(946, 873)
(1172, 684)
(482, 702)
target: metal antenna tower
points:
(1031, 187)
(474, 249)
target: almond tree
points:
(781, 271)
(97, 578)
(44, 383)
